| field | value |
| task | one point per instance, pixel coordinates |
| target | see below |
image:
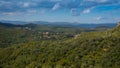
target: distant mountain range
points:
(66, 24)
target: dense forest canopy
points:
(94, 49)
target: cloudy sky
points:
(80, 11)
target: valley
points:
(36, 46)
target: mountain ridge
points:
(80, 25)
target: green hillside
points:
(14, 34)
(86, 50)
(11, 34)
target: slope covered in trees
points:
(86, 50)
(14, 34)
(11, 34)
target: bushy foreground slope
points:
(88, 50)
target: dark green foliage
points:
(86, 50)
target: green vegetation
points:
(14, 34)
(86, 50)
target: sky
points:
(73, 11)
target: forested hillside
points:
(11, 34)
(14, 34)
(86, 50)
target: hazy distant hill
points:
(108, 25)
(14, 22)
(9, 25)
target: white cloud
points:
(56, 6)
(10, 13)
(5, 4)
(98, 18)
(103, 1)
(99, 1)
(26, 4)
(86, 11)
